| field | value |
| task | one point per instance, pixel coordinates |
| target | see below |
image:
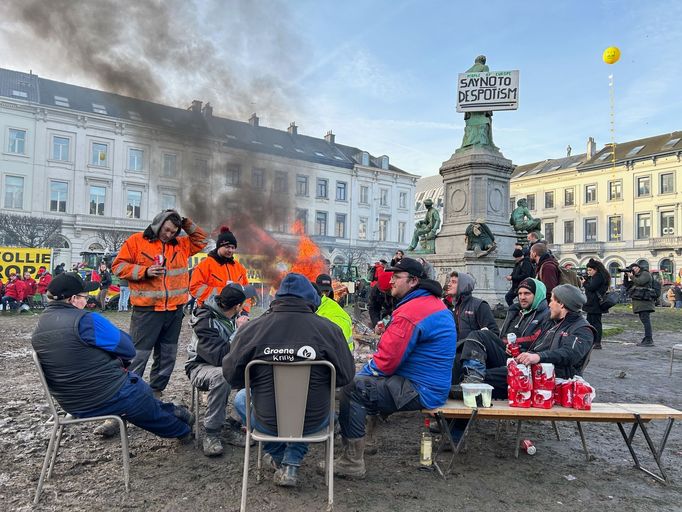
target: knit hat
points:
(68, 284)
(529, 284)
(517, 253)
(226, 237)
(570, 296)
(297, 285)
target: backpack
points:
(568, 276)
(656, 286)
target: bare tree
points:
(25, 231)
(113, 238)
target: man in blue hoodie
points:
(411, 368)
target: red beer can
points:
(528, 447)
(158, 259)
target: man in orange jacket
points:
(218, 268)
(154, 263)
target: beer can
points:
(528, 447)
(158, 259)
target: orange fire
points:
(309, 260)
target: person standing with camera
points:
(639, 284)
(596, 284)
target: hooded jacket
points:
(287, 332)
(212, 333)
(522, 269)
(527, 324)
(418, 344)
(471, 313)
(213, 273)
(169, 291)
(566, 344)
(43, 282)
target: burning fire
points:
(309, 260)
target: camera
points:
(625, 270)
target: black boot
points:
(646, 342)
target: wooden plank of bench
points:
(653, 411)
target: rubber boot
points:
(371, 441)
(351, 464)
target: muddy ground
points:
(168, 476)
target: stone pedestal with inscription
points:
(476, 182)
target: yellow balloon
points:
(611, 55)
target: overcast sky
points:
(381, 74)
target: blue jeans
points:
(135, 403)
(678, 304)
(374, 395)
(290, 454)
(123, 298)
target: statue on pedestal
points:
(425, 230)
(478, 126)
(479, 238)
(521, 219)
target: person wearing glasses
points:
(85, 359)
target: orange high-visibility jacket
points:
(210, 276)
(169, 291)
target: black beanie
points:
(226, 237)
(528, 284)
(517, 253)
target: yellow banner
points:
(21, 259)
(253, 264)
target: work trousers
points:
(594, 319)
(156, 331)
(290, 454)
(206, 376)
(488, 352)
(374, 395)
(135, 403)
(645, 318)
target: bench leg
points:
(444, 437)
(460, 444)
(582, 439)
(518, 439)
(556, 431)
(657, 453)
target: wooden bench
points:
(637, 414)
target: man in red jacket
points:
(44, 279)
(14, 293)
(30, 287)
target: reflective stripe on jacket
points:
(209, 277)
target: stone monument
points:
(476, 180)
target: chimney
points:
(253, 120)
(293, 129)
(196, 106)
(207, 111)
(591, 148)
(329, 137)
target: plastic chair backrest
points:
(291, 382)
(43, 381)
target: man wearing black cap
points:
(523, 268)
(85, 359)
(213, 326)
(411, 368)
(331, 310)
(289, 331)
(217, 269)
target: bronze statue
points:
(521, 219)
(478, 126)
(425, 230)
(479, 238)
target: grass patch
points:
(622, 317)
(612, 330)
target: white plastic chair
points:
(62, 420)
(291, 397)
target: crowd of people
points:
(433, 338)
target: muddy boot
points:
(351, 463)
(286, 476)
(107, 429)
(212, 444)
(371, 441)
(182, 413)
(646, 342)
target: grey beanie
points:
(570, 296)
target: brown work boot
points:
(371, 441)
(107, 429)
(351, 463)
